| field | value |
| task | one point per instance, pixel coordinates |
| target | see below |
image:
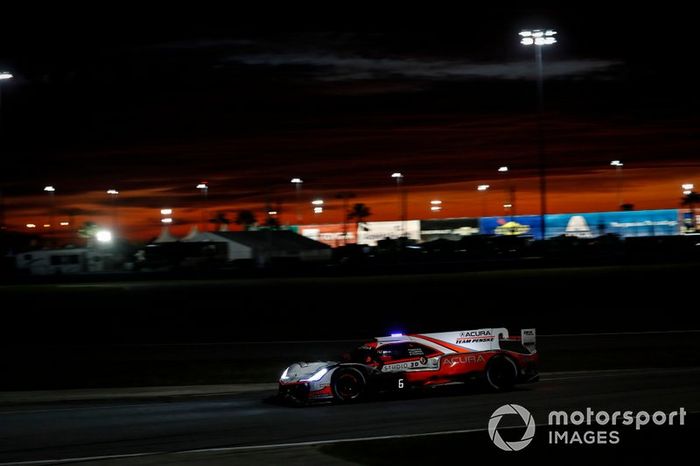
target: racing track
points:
(155, 429)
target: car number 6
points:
(400, 383)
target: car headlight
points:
(285, 375)
(317, 375)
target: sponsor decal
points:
(451, 361)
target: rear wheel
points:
(348, 384)
(501, 373)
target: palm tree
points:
(221, 220)
(272, 223)
(246, 218)
(690, 200)
(359, 213)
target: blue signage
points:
(623, 223)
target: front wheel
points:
(501, 373)
(348, 384)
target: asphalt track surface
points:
(248, 429)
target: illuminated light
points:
(103, 236)
(397, 334)
(397, 175)
(166, 211)
(271, 212)
(507, 205)
(318, 210)
(317, 202)
(47, 225)
(49, 189)
(549, 32)
(202, 185)
(686, 192)
(549, 41)
(64, 224)
(688, 186)
(525, 33)
(285, 375)
(5, 75)
(436, 202)
(167, 220)
(527, 41)
(537, 33)
(31, 225)
(112, 192)
(483, 187)
(436, 208)
(297, 180)
(318, 375)
(616, 163)
(503, 169)
(538, 37)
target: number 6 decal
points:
(400, 383)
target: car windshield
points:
(363, 354)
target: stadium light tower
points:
(52, 204)
(539, 38)
(4, 76)
(398, 176)
(297, 182)
(618, 172)
(203, 187)
(483, 189)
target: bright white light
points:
(688, 186)
(113, 192)
(527, 41)
(318, 375)
(166, 211)
(550, 32)
(318, 210)
(396, 175)
(271, 212)
(47, 225)
(64, 224)
(202, 186)
(616, 163)
(436, 208)
(686, 192)
(397, 334)
(483, 187)
(507, 205)
(167, 220)
(436, 202)
(525, 33)
(503, 169)
(31, 225)
(5, 75)
(538, 37)
(285, 375)
(296, 180)
(49, 189)
(317, 202)
(103, 236)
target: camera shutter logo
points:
(529, 427)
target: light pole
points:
(204, 188)
(52, 204)
(113, 193)
(483, 189)
(618, 175)
(318, 206)
(510, 190)
(539, 38)
(297, 182)
(402, 200)
(4, 76)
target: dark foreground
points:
(247, 429)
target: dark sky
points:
(154, 105)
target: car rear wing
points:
(526, 342)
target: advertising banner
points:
(330, 234)
(519, 225)
(448, 228)
(623, 223)
(371, 232)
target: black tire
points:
(348, 384)
(501, 373)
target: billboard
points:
(330, 234)
(623, 223)
(448, 228)
(371, 232)
(518, 225)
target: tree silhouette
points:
(359, 213)
(272, 223)
(246, 218)
(220, 220)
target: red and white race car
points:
(399, 362)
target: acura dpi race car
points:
(400, 362)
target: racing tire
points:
(348, 384)
(501, 373)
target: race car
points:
(402, 362)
